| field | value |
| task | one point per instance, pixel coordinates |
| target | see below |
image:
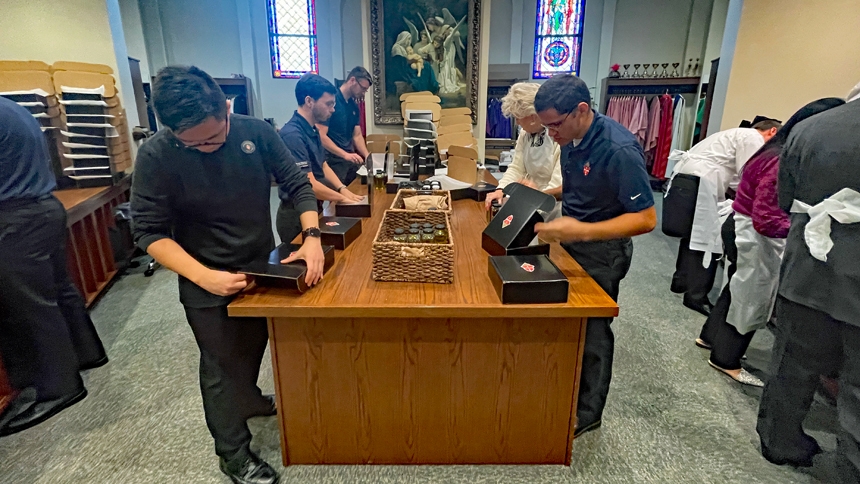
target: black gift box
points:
(480, 190)
(339, 232)
(514, 226)
(361, 210)
(272, 273)
(527, 279)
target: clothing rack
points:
(615, 86)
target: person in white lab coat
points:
(716, 161)
(535, 163)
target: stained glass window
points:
(292, 37)
(558, 37)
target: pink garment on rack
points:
(664, 139)
(612, 108)
(653, 125)
(639, 120)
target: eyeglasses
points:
(216, 139)
(554, 126)
(362, 86)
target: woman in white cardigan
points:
(536, 155)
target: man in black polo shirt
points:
(200, 207)
(46, 335)
(341, 136)
(315, 96)
(606, 199)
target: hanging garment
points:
(653, 125)
(639, 121)
(664, 139)
(756, 280)
(677, 136)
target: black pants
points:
(288, 221)
(727, 345)
(46, 335)
(607, 262)
(231, 350)
(345, 170)
(810, 343)
(690, 277)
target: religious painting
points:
(424, 45)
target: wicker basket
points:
(397, 204)
(411, 262)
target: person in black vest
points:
(46, 335)
(818, 306)
(341, 135)
(606, 200)
(200, 207)
(316, 98)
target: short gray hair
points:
(519, 102)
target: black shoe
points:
(703, 307)
(811, 449)
(250, 470)
(25, 399)
(269, 407)
(94, 364)
(586, 428)
(39, 412)
(677, 287)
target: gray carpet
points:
(670, 417)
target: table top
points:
(347, 290)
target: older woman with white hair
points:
(536, 155)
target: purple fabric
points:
(757, 196)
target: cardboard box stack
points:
(96, 136)
(29, 84)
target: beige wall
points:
(790, 52)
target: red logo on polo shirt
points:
(507, 221)
(332, 224)
(586, 169)
(528, 267)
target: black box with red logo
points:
(339, 232)
(271, 273)
(513, 228)
(527, 279)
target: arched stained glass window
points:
(558, 37)
(292, 37)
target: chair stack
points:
(29, 84)
(96, 138)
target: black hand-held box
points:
(514, 226)
(271, 273)
(480, 190)
(527, 279)
(339, 232)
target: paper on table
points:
(362, 171)
(81, 90)
(449, 183)
(362, 200)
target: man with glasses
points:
(200, 207)
(341, 135)
(606, 200)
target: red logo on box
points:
(332, 224)
(507, 221)
(528, 267)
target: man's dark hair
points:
(767, 124)
(562, 93)
(360, 73)
(314, 86)
(185, 96)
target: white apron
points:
(756, 279)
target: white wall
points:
(715, 35)
(133, 32)
(500, 32)
(648, 31)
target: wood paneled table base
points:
(410, 373)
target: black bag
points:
(679, 205)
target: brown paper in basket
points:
(425, 202)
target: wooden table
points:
(90, 217)
(410, 373)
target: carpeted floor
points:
(670, 417)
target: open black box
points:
(513, 228)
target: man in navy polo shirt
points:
(316, 98)
(341, 135)
(606, 200)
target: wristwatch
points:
(341, 188)
(311, 232)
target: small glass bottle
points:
(399, 235)
(414, 236)
(440, 234)
(427, 226)
(379, 180)
(415, 226)
(427, 236)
